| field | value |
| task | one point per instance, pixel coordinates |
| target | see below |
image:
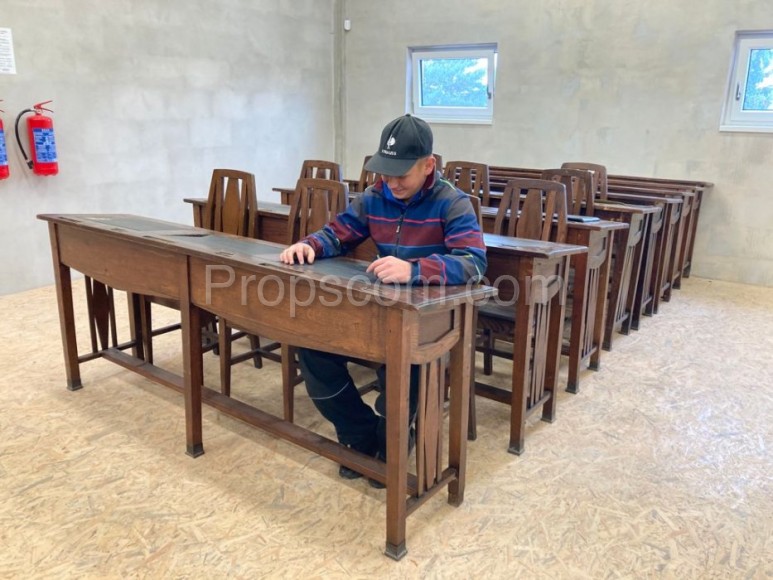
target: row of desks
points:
(591, 275)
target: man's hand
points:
(300, 252)
(391, 270)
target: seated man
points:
(426, 232)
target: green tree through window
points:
(452, 83)
(457, 82)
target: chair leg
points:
(289, 372)
(488, 349)
(472, 421)
(257, 360)
(224, 340)
(146, 324)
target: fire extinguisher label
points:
(45, 146)
(3, 152)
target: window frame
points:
(734, 118)
(461, 115)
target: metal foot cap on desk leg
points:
(195, 450)
(396, 552)
(74, 385)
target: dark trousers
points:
(334, 393)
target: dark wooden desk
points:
(582, 344)
(671, 245)
(538, 270)
(399, 326)
(629, 261)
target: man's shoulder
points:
(444, 189)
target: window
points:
(749, 100)
(452, 84)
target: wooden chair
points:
(367, 178)
(231, 207)
(519, 214)
(472, 178)
(534, 209)
(317, 169)
(316, 202)
(581, 186)
(530, 201)
(600, 171)
(475, 201)
(232, 203)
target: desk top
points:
(596, 225)
(265, 207)
(341, 274)
(529, 248)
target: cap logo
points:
(391, 141)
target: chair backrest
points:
(580, 188)
(472, 178)
(602, 181)
(317, 169)
(315, 203)
(533, 209)
(232, 203)
(475, 201)
(367, 178)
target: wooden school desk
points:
(399, 326)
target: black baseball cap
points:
(403, 142)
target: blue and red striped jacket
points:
(437, 231)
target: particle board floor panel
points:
(661, 467)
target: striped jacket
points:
(437, 231)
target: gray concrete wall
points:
(149, 97)
(636, 86)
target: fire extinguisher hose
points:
(18, 139)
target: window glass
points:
(749, 97)
(452, 84)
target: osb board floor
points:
(660, 467)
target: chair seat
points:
(498, 311)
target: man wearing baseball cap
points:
(426, 232)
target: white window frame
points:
(734, 118)
(482, 116)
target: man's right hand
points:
(297, 253)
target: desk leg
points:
(460, 400)
(66, 314)
(398, 379)
(579, 311)
(522, 335)
(601, 302)
(193, 373)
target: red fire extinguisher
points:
(40, 132)
(4, 172)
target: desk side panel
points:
(122, 264)
(291, 309)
